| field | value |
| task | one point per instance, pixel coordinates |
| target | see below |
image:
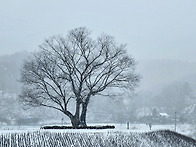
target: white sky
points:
(153, 29)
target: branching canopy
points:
(76, 67)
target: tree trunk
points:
(83, 115)
(75, 122)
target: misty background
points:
(160, 35)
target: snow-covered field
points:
(185, 129)
(136, 135)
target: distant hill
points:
(158, 73)
(191, 79)
(10, 66)
(155, 73)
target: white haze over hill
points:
(155, 74)
(158, 73)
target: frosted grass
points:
(96, 139)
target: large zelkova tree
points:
(76, 68)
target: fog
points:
(160, 36)
(151, 29)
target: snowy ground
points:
(185, 129)
(138, 135)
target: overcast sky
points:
(152, 29)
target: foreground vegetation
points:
(84, 139)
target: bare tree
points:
(76, 67)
